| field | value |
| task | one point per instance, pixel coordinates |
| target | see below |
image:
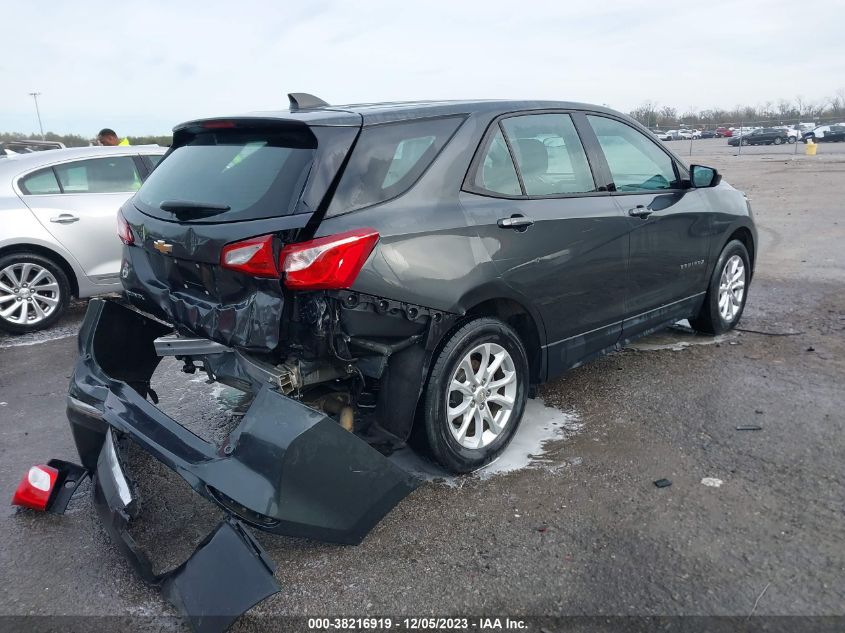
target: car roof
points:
(50, 156)
(373, 113)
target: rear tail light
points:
(327, 263)
(36, 487)
(123, 230)
(253, 257)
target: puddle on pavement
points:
(540, 424)
(676, 338)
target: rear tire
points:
(778, 140)
(34, 292)
(471, 414)
(726, 293)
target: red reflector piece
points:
(218, 125)
(123, 230)
(252, 257)
(36, 487)
(327, 263)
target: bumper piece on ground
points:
(286, 469)
(228, 573)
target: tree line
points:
(75, 140)
(832, 108)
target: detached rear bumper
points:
(286, 468)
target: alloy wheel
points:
(731, 288)
(481, 396)
(29, 293)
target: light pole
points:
(35, 96)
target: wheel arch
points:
(50, 254)
(516, 315)
(744, 235)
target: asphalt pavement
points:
(582, 530)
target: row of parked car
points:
(775, 135)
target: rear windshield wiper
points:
(192, 209)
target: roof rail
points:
(304, 101)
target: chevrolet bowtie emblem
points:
(163, 247)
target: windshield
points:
(229, 175)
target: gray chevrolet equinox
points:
(368, 275)
(423, 266)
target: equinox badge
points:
(163, 247)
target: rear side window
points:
(635, 161)
(241, 174)
(496, 172)
(549, 154)
(116, 174)
(388, 159)
(39, 183)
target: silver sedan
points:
(58, 229)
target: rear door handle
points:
(515, 222)
(65, 218)
(640, 211)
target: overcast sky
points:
(142, 67)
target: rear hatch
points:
(224, 182)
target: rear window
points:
(388, 159)
(255, 173)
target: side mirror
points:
(701, 176)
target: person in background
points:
(108, 137)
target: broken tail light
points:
(36, 487)
(123, 230)
(253, 257)
(327, 263)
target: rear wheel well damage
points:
(52, 255)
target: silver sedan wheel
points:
(29, 293)
(481, 396)
(731, 288)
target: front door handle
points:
(640, 211)
(518, 222)
(65, 218)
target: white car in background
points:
(58, 236)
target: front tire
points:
(476, 395)
(778, 140)
(726, 293)
(34, 292)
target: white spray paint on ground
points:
(540, 424)
(712, 482)
(36, 338)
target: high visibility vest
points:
(124, 142)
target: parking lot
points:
(569, 522)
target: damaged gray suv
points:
(373, 274)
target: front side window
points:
(549, 154)
(40, 183)
(388, 159)
(636, 162)
(115, 174)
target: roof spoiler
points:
(304, 101)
